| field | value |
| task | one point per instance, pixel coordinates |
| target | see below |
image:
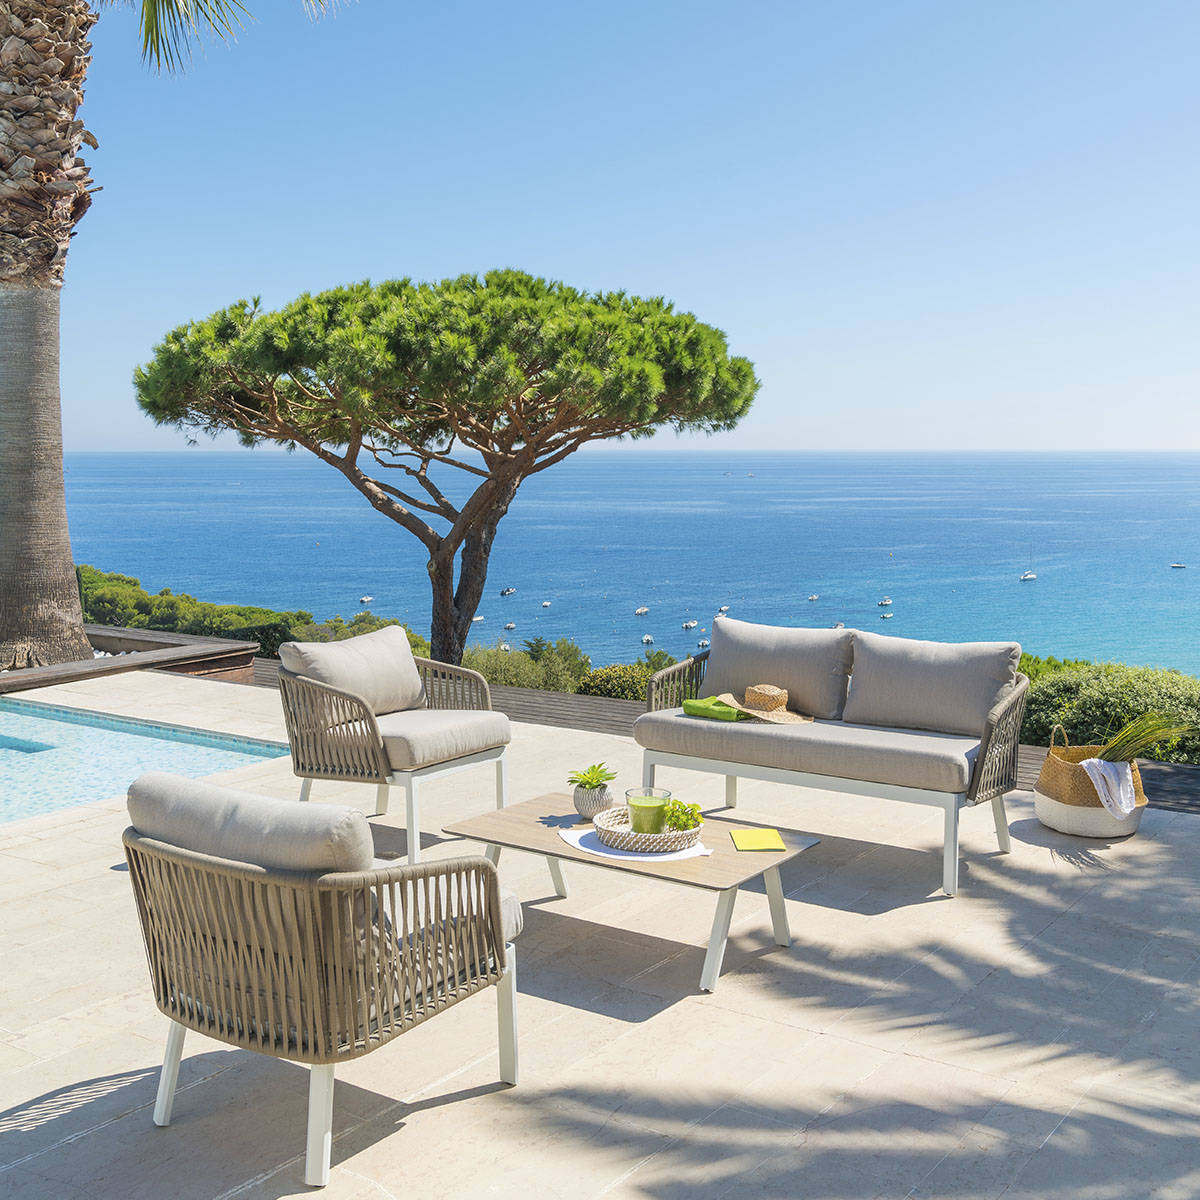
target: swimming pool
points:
(53, 758)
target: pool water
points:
(53, 758)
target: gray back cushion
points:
(281, 835)
(948, 687)
(377, 666)
(812, 664)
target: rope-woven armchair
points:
(312, 966)
(365, 710)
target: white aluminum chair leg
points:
(717, 939)
(950, 849)
(779, 920)
(501, 782)
(169, 1075)
(647, 771)
(305, 788)
(383, 795)
(731, 791)
(506, 1008)
(320, 1125)
(414, 821)
(1001, 819)
(556, 877)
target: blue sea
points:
(945, 535)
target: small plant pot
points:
(590, 801)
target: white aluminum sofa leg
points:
(414, 820)
(320, 1125)
(950, 848)
(506, 1009)
(501, 781)
(1001, 819)
(556, 877)
(717, 939)
(383, 795)
(731, 791)
(170, 1074)
(305, 789)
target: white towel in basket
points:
(1113, 782)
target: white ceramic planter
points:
(590, 801)
(1095, 822)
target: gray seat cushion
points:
(912, 758)
(812, 664)
(512, 916)
(424, 736)
(949, 687)
(377, 666)
(280, 835)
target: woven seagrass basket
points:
(1065, 797)
(612, 828)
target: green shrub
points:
(1092, 702)
(556, 667)
(621, 681)
(1036, 667)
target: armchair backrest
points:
(377, 666)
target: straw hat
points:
(767, 703)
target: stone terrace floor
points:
(1035, 1037)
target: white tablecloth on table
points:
(588, 840)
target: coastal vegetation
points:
(1092, 701)
(436, 401)
(45, 189)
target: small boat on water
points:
(1028, 576)
(511, 625)
(814, 596)
(640, 612)
(690, 624)
(505, 646)
(1178, 566)
(886, 602)
(476, 619)
(647, 640)
(545, 603)
(838, 625)
(365, 599)
(703, 643)
(886, 616)
(508, 591)
(723, 609)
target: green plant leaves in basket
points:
(681, 816)
(1142, 734)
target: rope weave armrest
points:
(996, 767)
(448, 686)
(670, 687)
(314, 969)
(332, 734)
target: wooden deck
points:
(1167, 785)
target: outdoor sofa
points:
(933, 723)
(270, 926)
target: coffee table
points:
(533, 826)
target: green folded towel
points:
(714, 709)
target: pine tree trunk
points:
(44, 190)
(40, 618)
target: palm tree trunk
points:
(44, 190)
(40, 617)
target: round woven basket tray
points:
(612, 828)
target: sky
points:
(930, 225)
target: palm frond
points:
(1141, 735)
(170, 28)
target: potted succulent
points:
(591, 789)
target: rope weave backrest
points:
(332, 734)
(996, 771)
(312, 968)
(453, 687)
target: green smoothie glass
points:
(647, 809)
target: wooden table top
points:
(534, 825)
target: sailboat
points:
(1028, 576)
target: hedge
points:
(1092, 702)
(621, 681)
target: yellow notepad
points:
(757, 839)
